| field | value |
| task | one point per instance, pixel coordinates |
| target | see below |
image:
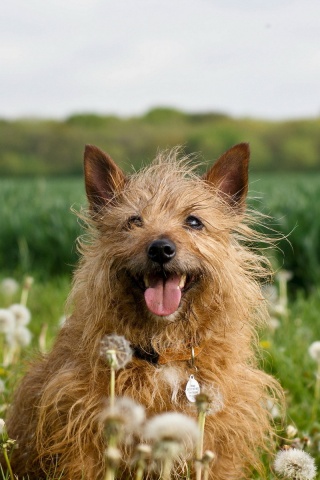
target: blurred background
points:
(133, 77)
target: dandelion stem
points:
(112, 386)
(110, 474)
(166, 469)
(201, 424)
(5, 454)
(206, 472)
(25, 291)
(24, 296)
(140, 470)
(2, 347)
(316, 395)
(283, 292)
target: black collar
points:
(151, 357)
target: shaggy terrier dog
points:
(167, 263)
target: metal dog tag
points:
(192, 389)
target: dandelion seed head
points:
(284, 275)
(273, 408)
(314, 351)
(279, 309)
(202, 402)
(116, 350)
(22, 314)
(143, 450)
(167, 449)
(113, 456)
(295, 464)
(62, 321)
(7, 321)
(270, 293)
(172, 428)
(28, 282)
(210, 400)
(20, 336)
(273, 324)
(291, 431)
(129, 413)
(9, 286)
(208, 457)
(2, 426)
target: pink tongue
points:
(163, 296)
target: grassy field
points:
(38, 229)
(37, 238)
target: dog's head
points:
(165, 233)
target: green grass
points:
(38, 229)
(46, 302)
(287, 357)
(291, 201)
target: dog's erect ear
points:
(230, 175)
(103, 178)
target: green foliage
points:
(38, 230)
(290, 359)
(291, 201)
(164, 115)
(47, 147)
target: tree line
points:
(55, 147)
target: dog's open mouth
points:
(163, 291)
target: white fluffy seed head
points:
(22, 314)
(7, 321)
(314, 351)
(62, 321)
(9, 286)
(208, 457)
(273, 408)
(21, 336)
(133, 413)
(2, 426)
(214, 398)
(270, 293)
(28, 282)
(128, 413)
(113, 456)
(173, 427)
(284, 275)
(273, 324)
(143, 450)
(295, 464)
(116, 350)
(291, 431)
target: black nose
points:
(161, 251)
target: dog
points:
(170, 267)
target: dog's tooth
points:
(182, 280)
(146, 281)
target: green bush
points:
(47, 147)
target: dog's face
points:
(164, 232)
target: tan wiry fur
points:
(55, 416)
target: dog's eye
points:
(134, 221)
(194, 223)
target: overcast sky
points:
(257, 58)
